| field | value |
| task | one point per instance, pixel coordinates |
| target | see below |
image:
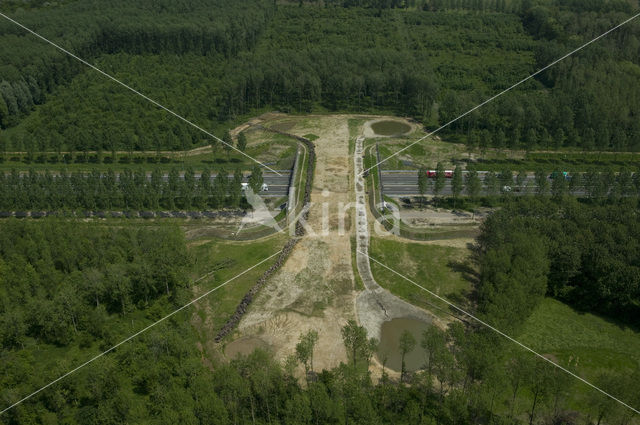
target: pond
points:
(389, 344)
(390, 128)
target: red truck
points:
(432, 174)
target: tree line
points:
(433, 5)
(596, 185)
(126, 190)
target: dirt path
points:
(315, 287)
(375, 305)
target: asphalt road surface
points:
(278, 184)
(405, 183)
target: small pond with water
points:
(390, 340)
(390, 128)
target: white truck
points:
(264, 188)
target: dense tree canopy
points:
(60, 280)
(584, 254)
(221, 59)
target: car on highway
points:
(263, 188)
(558, 174)
(432, 174)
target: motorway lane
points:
(278, 184)
(405, 183)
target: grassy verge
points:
(359, 285)
(229, 259)
(558, 163)
(429, 152)
(301, 179)
(593, 342)
(437, 268)
(354, 131)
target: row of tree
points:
(36, 149)
(127, 190)
(593, 184)
(433, 5)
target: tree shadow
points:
(468, 272)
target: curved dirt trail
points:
(375, 305)
(314, 289)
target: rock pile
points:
(286, 250)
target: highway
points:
(405, 183)
(278, 184)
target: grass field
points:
(426, 153)
(437, 268)
(233, 257)
(589, 346)
(594, 343)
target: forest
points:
(72, 289)
(459, 383)
(582, 253)
(58, 295)
(127, 190)
(431, 61)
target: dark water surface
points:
(390, 340)
(390, 128)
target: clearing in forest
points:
(315, 287)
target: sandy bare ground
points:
(315, 287)
(430, 216)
